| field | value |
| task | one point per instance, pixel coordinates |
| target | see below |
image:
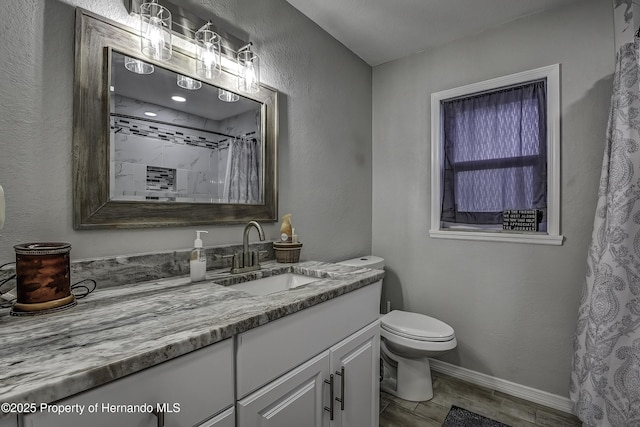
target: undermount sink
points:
(272, 284)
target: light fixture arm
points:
(246, 48)
(206, 26)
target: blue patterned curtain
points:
(494, 154)
(605, 377)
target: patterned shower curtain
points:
(243, 175)
(605, 377)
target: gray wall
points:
(325, 130)
(513, 306)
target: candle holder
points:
(42, 278)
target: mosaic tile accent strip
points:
(185, 136)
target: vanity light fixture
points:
(208, 62)
(212, 51)
(226, 96)
(155, 31)
(188, 83)
(137, 66)
(248, 70)
(178, 98)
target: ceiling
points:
(158, 87)
(380, 31)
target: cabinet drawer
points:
(271, 350)
(192, 387)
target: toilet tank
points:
(368, 261)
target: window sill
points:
(534, 239)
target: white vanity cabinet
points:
(322, 356)
(191, 389)
(317, 367)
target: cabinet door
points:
(296, 399)
(8, 420)
(355, 363)
(225, 419)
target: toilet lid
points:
(416, 326)
(369, 261)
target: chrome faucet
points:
(247, 260)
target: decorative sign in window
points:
(520, 220)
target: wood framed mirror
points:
(140, 161)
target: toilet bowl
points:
(407, 341)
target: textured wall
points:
(325, 129)
(513, 306)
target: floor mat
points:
(459, 417)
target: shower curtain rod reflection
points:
(243, 136)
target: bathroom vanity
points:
(175, 353)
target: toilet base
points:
(413, 377)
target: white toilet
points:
(407, 342)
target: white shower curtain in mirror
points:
(605, 377)
(243, 172)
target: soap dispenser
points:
(198, 261)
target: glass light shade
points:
(207, 53)
(248, 71)
(188, 83)
(155, 31)
(226, 96)
(137, 66)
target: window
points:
(495, 148)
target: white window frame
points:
(551, 74)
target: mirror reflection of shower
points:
(204, 149)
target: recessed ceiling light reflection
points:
(150, 114)
(178, 98)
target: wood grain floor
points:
(448, 391)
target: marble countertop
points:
(121, 330)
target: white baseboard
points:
(528, 393)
